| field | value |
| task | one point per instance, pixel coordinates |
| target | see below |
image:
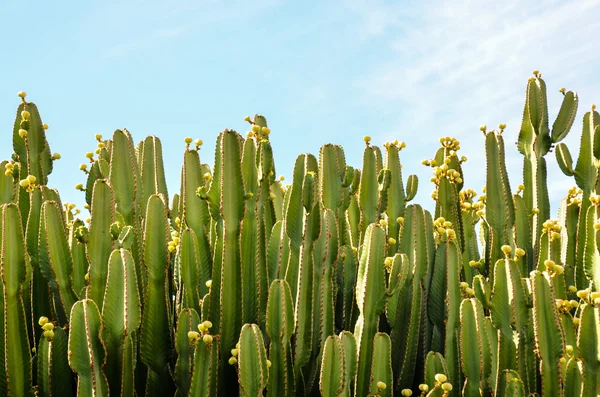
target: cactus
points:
(240, 277)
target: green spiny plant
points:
(333, 285)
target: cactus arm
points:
(205, 377)
(370, 297)
(566, 116)
(589, 349)
(253, 370)
(100, 243)
(80, 262)
(187, 321)
(194, 213)
(188, 257)
(293, 224)
(88, 355)
(155, 339)
(121, 315)
(368, 192)
(58, 267)
(13, 273)
(333, 376)
(548, 334)
(591, 263)
(381, 365)
(574, 378)
(8, 185)
(152, 172)
(585, 171)
(232, 212)
(564, 159)
(471, 346)
(54, 377)
(280, 327)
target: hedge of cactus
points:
(334, 285)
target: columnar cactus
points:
(332, 285)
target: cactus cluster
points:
(334, 285)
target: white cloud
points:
(457, 65)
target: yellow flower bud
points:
(248, 119)
(269, 364)
(255, 128)
(79, 186)
(569, 349)
(383, 222)
(31, 178)
(24, 183)
(440, 378)
(234, 352)
(43, 320)
(482, 128)
(406, 392)
(83, 167)
(391, 241)
(25, 115)
(506, 249)
(48, 334)
(367, 139)
(48, 327)
(98, 137)
(447, 387)
(400, 220)
(423, 387)
(519, 252)
(188, 140)
(208, 283)
(572, 289)
(232, 361)
(201, 327)
(502, 126)
(89, 155)
(23, 133)
(22, 94)
(266, 130)
(381, 385)
(207, 339)
(207, 324)
(583, 294)
(198, 142)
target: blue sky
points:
(320, 72)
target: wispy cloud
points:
(457, 65)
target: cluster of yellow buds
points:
(476, 264)
(396, 143)
(450, 143)
(9, 169)
(258, 132)
(440, 380)
(574, 196)
(429, 163)
(443, 171)
(552, 268)
(552, 229)
(28, 183)
(47, 326)
(234, 354)
(173, 245)
(565, 306)
(25, 124)
(466, 199)
(203, 333)
(589, 297)
(442, 228)
(466, 291)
